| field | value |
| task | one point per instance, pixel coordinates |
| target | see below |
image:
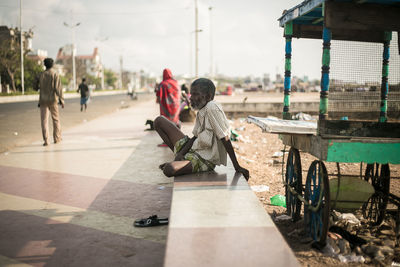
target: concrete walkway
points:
(73, 204)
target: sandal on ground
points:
(151, 221)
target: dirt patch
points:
(255, 151)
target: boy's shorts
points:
(198, 163)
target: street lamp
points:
(191, 51)
(211, 46)
(72, 27)
(196, 30)
(22, 48)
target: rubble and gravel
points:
(257, 152)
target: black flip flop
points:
(151, 221)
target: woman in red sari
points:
(169, 97)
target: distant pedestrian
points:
(51, 94)
(85, 94)
(169, 96)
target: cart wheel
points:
(316, 194)
(375, 208)
(294, 180)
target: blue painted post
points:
(288, 67)
(385, 74)
(326, 58)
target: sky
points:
(155, 34)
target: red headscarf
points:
(169, 96)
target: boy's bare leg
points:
(168, 131)
(176, 168)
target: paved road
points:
(20, 122)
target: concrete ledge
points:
(311, 107)
(216, 220)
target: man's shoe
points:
(45, 144)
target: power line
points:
(100, 12)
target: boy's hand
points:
(245, 172)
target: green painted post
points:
(288, 33)
(385, 74)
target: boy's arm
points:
(185, 149)
(228, 146)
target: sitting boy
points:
(210, 142)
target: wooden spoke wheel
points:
(375, 208)
(317, 197)
(293, 178)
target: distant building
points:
(38, 56)
(13, 35)
(84, 64)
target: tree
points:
(110, 77)
(93, 80)
(9, 61)
(31, 73)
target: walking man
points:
(83, 88)
(50, 95)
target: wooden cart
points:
(374, 143)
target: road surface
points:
(20, 121)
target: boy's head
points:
(48, 63)
(202, 91)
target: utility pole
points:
(100, 40)
(196, 30)
(211, 46)
(22, 47)
(120, 72)
(191, 50)
(191, 54)
(72, 27)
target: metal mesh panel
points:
(356, 74)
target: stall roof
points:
(310, 12)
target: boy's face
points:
(197, 98)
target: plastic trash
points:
(248, 160)
(278, 200)
(234, 135)
(15, 133)
(161, 187)
(260, 188)
(329, 250)
(245, 139)
(282, 217)
(302, 117)
(242, 128)
(350, 218)
(351, 258)
(344, 118)
(277, 154)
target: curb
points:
(25, 98)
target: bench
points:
(216, 220)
